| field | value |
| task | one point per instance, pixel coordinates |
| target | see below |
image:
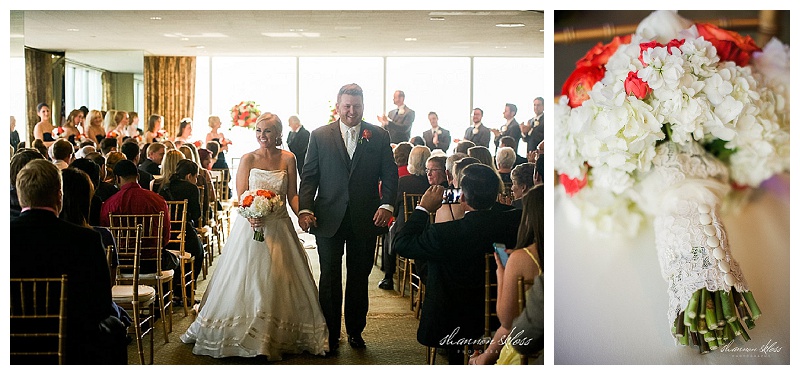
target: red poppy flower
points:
(730, 45)
(636, 87)
(599, 54)
(580, 83)
(572, 185)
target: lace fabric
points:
(684, 192)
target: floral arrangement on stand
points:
(258, 204)
(245, 114)
(664, 123)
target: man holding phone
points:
(455, 253)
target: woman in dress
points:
(184, 132)
(44, 128)
(153, 133)
(215, 135)
(73, 127)
(262, 298)
(94, 126)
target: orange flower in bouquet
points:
(258, 204)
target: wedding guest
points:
(416, 141)
(451, 160)
(483, 155)
(94, 126)
(478, 133)
(108, 145)
(131, 151)
(454, 298)
(507, 141)
(132, 129)
(203, 177)
(526, 262)
(399, 120)
(73, 127)
(205, 158)
(83, 151)
(14, 134)
(401, 153)
(437, 137)
(153, 133)
(213, 146)
(215, 135)
(92, 170)
(510, 128)
(184, 131)
(94, 334)
(455, 211)
(18, 161)
(38, 145)
(84, 110)
(111, 126)
(106, 186)
(297, 140)
(182, 184)
(169, 145)
(505, 159)
(539, 161)
(463, 146)
(62, 153)
(533, 131)
(415, 182)
(168, 165)
(43, 130)
(521, 182)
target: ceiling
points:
(114, 39)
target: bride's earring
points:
(279, 141)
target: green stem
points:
(702, 327)
(751, 303)
(709, 336)
(703, 296)
(680, 327)
(704, 349)
(684, 338)
(727, 306)
(691, 308)
(718, 308)
(711, 316)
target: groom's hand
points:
(381, 218)
(306, 221)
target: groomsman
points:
(477, 133)
(399, 120)
(298, 142)
(533, 131)
(436, 137)
(510, 128)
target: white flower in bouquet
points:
(258, 204)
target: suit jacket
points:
(480, 139)
(298, 145)
(512, 131)
(399, 126)
(535, 135)
(444, 139)
(455, 253)
(332, 184)
(77, 252)
(151, 167)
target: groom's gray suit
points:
(344, 195)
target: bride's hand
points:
(256, 222)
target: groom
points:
(342, 202)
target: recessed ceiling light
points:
(297, 30)
(184, 38)
(310, 35)
(500, 47)
(541, 31)
(347, 28)
(296, 47)
(155, 18)
(281, 35)
(437, 18)
(200, 47)
(73, 30)
(411, 39)
(510, 25)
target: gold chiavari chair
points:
(223, 191)
(177, 236)
(38, 320)
(150, 248)
(404, 265)
(133, 296)
(522, 286)
(410, 201)
(204, 231)
(490, 297)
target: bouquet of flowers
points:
(245, 114)
(663, 123)
(259, 203)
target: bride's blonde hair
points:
(273, 121)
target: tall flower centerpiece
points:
(663, 124)
(245, 114)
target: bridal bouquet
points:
(663, 123)
(257, 204)
(245, 114)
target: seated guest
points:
(39, 145)
(526, 262)
(218, 158)
(83, 151)
(504, 159)
(483, 155)
(105, 188)
(168, 165)
(464, 145)
(414, 183)
(448, 166)
(506, 141)
(108, 145)
(133, 200)
(94, 335)
(401, 152)
(521, 182)
(155, 154)
(131, 152)
(62, 153)
(539, 161)
(453, 310)
(92, 170)
(20, 159)
(416, 141)
(455, 211)
(182, 184)
(205, 159)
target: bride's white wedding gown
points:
(261, 299)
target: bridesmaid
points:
(44, 128)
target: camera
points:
(451, 196)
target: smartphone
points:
(500, 249)
(451, 196)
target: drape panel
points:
(39, 82)
(169, 89)
(108, 94)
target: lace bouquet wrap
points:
(259, 204)
(661, 125)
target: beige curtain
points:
(39, 82)
(108, 94)
(169, 89)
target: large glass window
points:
(83, 87)
(322, 77)
(18, 96)
(431, 84)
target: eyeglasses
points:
(428, 171)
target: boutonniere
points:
(438, 131)
(366, 134)
(536, 122)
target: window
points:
(83, 85)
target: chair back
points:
(522, 286)
(410, 201)
(490, 296)
(147, 246)
(177, 228)
(38, 320)
(221, 181)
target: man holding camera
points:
(455, 251)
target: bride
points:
(262, 299)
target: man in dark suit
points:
(340, 202)
(131, 151)
(477, 133)
(94, 334)
(533, 131)
(152, 165)
(453, 310)
(436, 137)
(399, 120)
(510, 128)
(298, 142)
